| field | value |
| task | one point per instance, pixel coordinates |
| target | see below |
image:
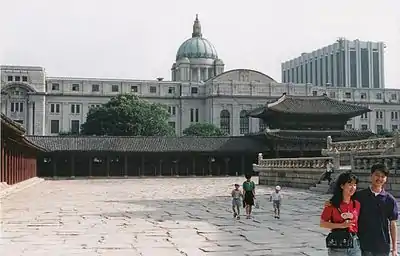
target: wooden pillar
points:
(108, 165)
(12, 170)
(160, 164)
(194, 165)
(7, 166)
(34, 167)
(226, 160)
(126, 165)
(19, 164)
(54, 159)
(72, 165)
(2, 163)
(141, 170)
(90, 166)
(242, 166)
(276, 151)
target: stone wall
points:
(291, 172)
(288, 177)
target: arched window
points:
(262, 125)
(244, 122)
(225, 124)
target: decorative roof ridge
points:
(128, 137)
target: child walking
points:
(276, 198)
(236, 198)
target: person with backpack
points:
(249, 195)
(341, 217)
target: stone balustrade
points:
(368, 145)
(299, 162)
(364, 163)
(291, 172)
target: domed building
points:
(201, 91)
(196, 59)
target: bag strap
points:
(340, 211)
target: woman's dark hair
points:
(346, 177)
(247, 176)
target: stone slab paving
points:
(155, 216)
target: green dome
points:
(197, 47)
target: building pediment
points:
(242, 75)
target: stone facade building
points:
(200, 91)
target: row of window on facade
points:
(55, 127)
(394, 115)
(17, 78)
(314, 71)
(379, 127)
(363, 95)
(244, 122)
(115, 88)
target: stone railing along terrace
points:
(377, 145)
(305, 172)
(301, 172)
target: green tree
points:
(128, 115)
(203, 129)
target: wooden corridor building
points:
(18, 155)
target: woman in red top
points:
(343, 213)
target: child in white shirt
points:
(237, 195)
(276, 198)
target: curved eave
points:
(264, 111)
(19, 129)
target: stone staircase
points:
(6, 190)
(322, 187)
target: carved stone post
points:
(352, 162)
(336, 159)
(260, 158)
(328, 142)
(396, 137)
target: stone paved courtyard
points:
(150, 217)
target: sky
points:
(139, 39)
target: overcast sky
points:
(139, 39)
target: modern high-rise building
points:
(355, 64)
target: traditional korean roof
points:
(19, 131)
(317, 135)
(310, 105)
(17, 127)
(149, 144)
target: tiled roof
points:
(149, 144)
(320, 105)
(13, 125)
(313, 135)
(20, 131)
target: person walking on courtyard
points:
(249, 194)
(237, 195)
(276, 198)
(341, 217)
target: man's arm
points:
(393, 235)
(393, 217)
